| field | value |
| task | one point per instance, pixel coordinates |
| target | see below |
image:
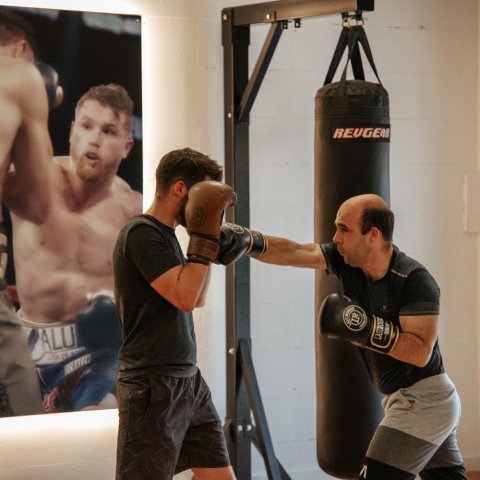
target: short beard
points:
(87, 174)
(181, 214)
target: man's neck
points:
(164, 211)
(85, 194)
(377, 266)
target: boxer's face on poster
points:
(99, 141)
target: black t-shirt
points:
(407, 289)
(157, 336)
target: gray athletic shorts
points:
(418, 431)
(19, 385)
(167, 425)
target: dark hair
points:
(14, 28)
(382, 219)
(113, 96)
(187, 165)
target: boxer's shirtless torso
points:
(60, 261)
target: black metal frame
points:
(243, 393)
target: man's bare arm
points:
(416, 339)
(282, 251)
(184, 286)
(27, 187)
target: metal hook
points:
(348, 18)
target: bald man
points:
(390, 308)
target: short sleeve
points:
(332, 258)
(151, 252)
(420, 294)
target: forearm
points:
(411, 349)
(282, 251)
(27, 187)
(192, 284)
(183, 285)
(13, 195)
(202, 297)
(416, 340)
(29, 207)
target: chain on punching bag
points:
(352, 134)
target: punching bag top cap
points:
(361, 88)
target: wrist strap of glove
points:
(202, 249)
(384, 335)
(258, 244)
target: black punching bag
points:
(352, 134)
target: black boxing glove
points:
(341, 317)
(50, 78)
(236, 241)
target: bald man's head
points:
(367, 200)
(372, 211)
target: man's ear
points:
(22, 49)
(375, 233)
(127, 148)
(179, 188)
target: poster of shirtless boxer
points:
(60, 340)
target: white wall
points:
(427, 56)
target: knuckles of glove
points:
(341, 317)
(205, 206)
(235, 240)
(50, 78)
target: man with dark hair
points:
(25, 149)
(17, 35)
(167, 420)
(390, 308)
(63, 265)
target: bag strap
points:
(356, 59)
(358, 36)
(357, 66)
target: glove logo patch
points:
(354, 318)
(234, 227)
(198, 216)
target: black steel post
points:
(238, 422)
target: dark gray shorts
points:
(167, 425)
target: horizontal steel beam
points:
(279, 10)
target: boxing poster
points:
(60, 348)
